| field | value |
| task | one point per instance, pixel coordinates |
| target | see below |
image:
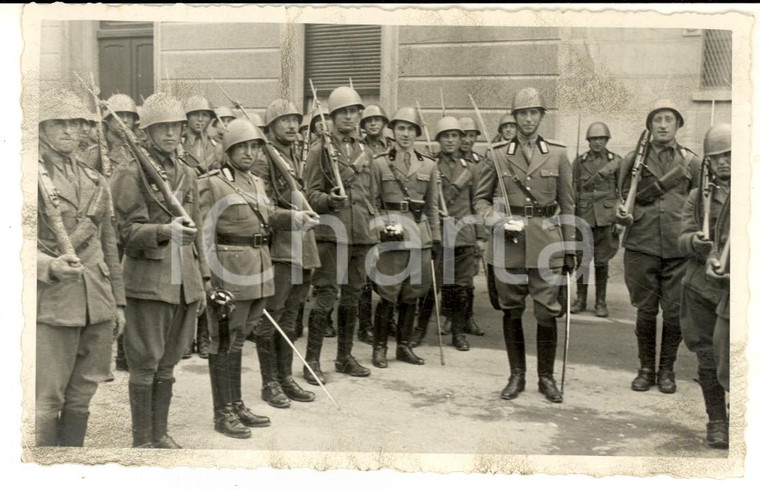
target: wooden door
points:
(125, 52)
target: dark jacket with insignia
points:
(595, 179)
(459, 179)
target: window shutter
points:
(336, 52)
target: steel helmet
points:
(315, 118)
(60, 103)
(121, 103)
(468, 124)
(240, 130)
(507, 118)
(406, 114)
(256, 120)
(280, 108)
(198, 103)
(161, 108)
(447, 123)
(718, 139)
(598, 130)
(528, 98)
(373, 111)
(664, 105)
(343, 97)
(305, 122)
(224, 111)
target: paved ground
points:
(453, 408)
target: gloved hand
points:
(617, 230)
(622, 217)
(303, 218)
(337, 201)
(66, 268)
(701, 246)
(712, 271)
(513, 228)
(392, 233)
(178, 231)
(121, 321)
(568, 265)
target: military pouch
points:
(416, 207)
(591, 183)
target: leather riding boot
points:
(546, 338)
(271, 391)
(46, 428)
(404, 352)
(470, 326)
(283, 356)
(671, 340)
(715, 406)
(365, 333)
(162, 399)
(298, 331)
(646, 331)
(426, 305)
(248, 418)
(317, 321)
(458, 322)
(72, 428)
(203, 339)
(446, 300)
(600, 275)
(580, 301)
(234, 394)
(293, 391)
(228, 423)
(121, 357)
(217, 366)
(141, 406)
(383, 315)
(329, 327)
(514, 338)
(346, 363)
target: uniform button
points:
(527, 178)
(527, 188)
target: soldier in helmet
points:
(409, 200)
(294, 257)
(507, 128)
(700, 295)
(654, 263)
(348, 226)
(162, 310)
(80, 296)
(596, 174)
(471, 133)
(224, 116)
(200, 151)
(118, 149)
(317, 128)
(539, 191)
(457, 260)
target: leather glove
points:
(392, 233)
(121, 321)
(513, 228)
(337, 201)
(66, 268)
(184, 234)
(712, 271)
(622, 217)
(303, 218)
(701, 247)
(568, 265)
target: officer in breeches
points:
(538, 180)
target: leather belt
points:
(256, 241)
(531, 211)
(402, 206)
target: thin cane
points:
(437, 313)
(567, 335)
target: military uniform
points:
(721, 334)
(543, 169)
(351, 232)
(596, 177)
(654, 263)
(75, 319)
(201, 152)
(161, 311)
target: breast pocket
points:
(422, 181)
(238, 212)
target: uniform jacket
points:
(459, 179)
(656, 226)
(94, 297)
(722, 236)
(421, 184)
(296, 247)
(548, 176)
(473, 157)
(253, 265)
(695, 277)
(379, 145)
(118, 153)
(207, 156)
(140, 210)
(596, 202)
(356, 165)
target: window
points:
(342, 54)
(716, 59)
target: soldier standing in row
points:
(161, 311)
(118, 149)
(701, 295)
(80, 292)
(654, 264)
(294, 256)
(224, 116)
(409, 196)
(346, 229)
(596, 176)
(201, 152)
(718, 270)
(471, 133)
(538, 181)
(507, 128)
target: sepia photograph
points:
(421, 239)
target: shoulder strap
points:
(254, 207)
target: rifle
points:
(425, 129)
(706, 188)
(149, 166)
(567, 335)
(281, 166)
(441, 200)
(331, 152)
(723, 259)
(307, 139)
(642, 149)
(50, 202)
(105, 161)
(496, 162)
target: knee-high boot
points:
(546, 338)
(141, 405)
(162, 399)
(514, 338)
(271, 390)
(72, 428)
(383, 315)
(46, 428)
(715, 400)
(601, 273)
(459, 319)
(284, 355)
(404, 351)
(646, 332)
(225, 420)
(317, 322)
(346, 363)
(426, 306)
(365, 315)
